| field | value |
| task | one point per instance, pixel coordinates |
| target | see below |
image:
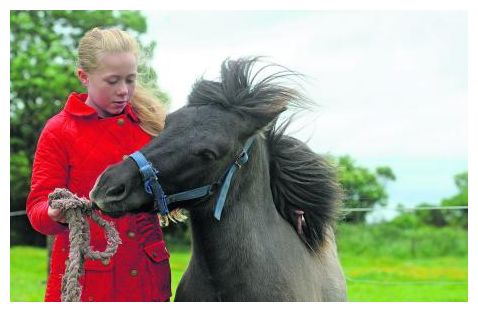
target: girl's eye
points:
(130, 81)
(111, 82)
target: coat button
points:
(133, 272)
(120, 121)
(105, 262)
(131, 234)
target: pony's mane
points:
(300, 179)
(303, 180)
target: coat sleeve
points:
(50, 170)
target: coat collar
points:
(76, 106)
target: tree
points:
(43, 46)
(461, 198)
(439, 217)
(457, 217)
(362, 188)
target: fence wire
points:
(345, 210)
(366, 281)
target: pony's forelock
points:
(254, 93)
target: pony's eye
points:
(207, 155)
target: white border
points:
(472, 155)
(253, 5)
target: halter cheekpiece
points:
(150, 175)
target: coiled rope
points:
(76, 210)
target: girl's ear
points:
(83, 76)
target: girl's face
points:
(111, 85)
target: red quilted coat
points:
(74, 147)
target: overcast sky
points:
(391, 87)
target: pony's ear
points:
(263, 117)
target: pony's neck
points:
(249, 212)
(222, 248)
(249, 199)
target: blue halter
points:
(150, 175)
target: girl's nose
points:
(123, 89)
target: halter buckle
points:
(241, 159)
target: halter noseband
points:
(150, 175)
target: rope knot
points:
(65, 200)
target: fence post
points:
(413, 246)
(49, 244)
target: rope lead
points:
(76, 210)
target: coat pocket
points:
(98, 280)
(159, 270)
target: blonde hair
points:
(149, 109)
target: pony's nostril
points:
(116, 191)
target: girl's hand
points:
(56, 215)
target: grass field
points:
(28, 267)
(428, 265)
(387, 279)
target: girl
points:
(116, 117)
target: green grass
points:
(28, 267)
(380, 263)
(389, 279)
(28, 273)
(179, 261)
(391, 262)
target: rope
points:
(76, 210)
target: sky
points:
(390, 86)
